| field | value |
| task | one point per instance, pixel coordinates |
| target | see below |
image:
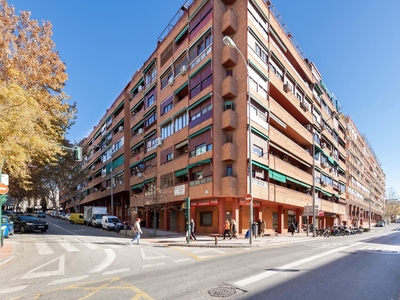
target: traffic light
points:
(78, 153)
(185, 213)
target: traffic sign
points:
(3, 188)
(248, 198)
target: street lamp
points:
(112, 184)
(231, 44)
(313, 174)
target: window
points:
(201, 18)
(166, 78)
(170, 156)
(197, 175)
(229, 170)
(151, 119)
(151, 144)
(150, 76)
(181, 122)
(181, 62)
(150, 101)
(200, 149)
(206, 218)
(201, 49)
(257, 150)
(167, 105)
(229, 138)
(228, 105)
(202, 111)
(167, 180)
(200, 81)
(258, 82)
(167, 108)
(167, 130)
(167, 53)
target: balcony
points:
(229, 120)
(229, 87)
(229, 152)
(229, 186)
(229, 57)
(229, 22)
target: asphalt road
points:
(80, 262)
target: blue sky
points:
(353, 44)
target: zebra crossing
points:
(48, 246)
(382, 249)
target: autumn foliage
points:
(34, 112)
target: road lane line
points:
(13, 289)
(66, 280)
(116, 271)
(91, 246)
(59, 271)
(153, 265)
(67, 246)
(267, 274)
(43, 248)
(106, 262)
(182, 259)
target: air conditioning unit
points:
(158, 142)
(139, 174)
(323, 145)
(141, 130)
(286, 88)
(171, 81)
(183, 70)
(285, 157)
(140, 88)
(121, 128)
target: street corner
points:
(7, 252)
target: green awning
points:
(97, 133)
(319, 91)
(149, 65)
(197, 10)
(331, 160)
(200, 101)
(277, 176)
(137, 186)
(260, 165)
(258, 39)
(181, 87)
(138, 104)
(118, 107)
(118, 173)
(150, 134)
(278, 60)
(136, 163)
(180, 112)
(134, 128)
(137, 145)
(181, 172)
(150, 88)
(150, 111)
(318, 149)
(119, 124)
(322, 191)
(200, 131)
(259, 70)
(149, 157)
(342, 170)
(199, 69)
(150, 180)
(278, 39)
(165, 122)
(199, 163)
(181, 33)
(259, 101)
(118, 161)
(137, 85)
(261, 11)
(263, 135)
(298, 182)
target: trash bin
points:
(254, 228)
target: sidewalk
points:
(7, 251)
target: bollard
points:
(216, 240)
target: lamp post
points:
(230, 43)
(112, 184)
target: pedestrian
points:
(138, 231)
(263, 227)
(292, 228)
(227, 228)
(259, 227)
(192, 235)
(296, 224)
(233, 229)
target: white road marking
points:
(157, 255)
(43, 248)
(153, 265)
(67, 246)
(267, 274)
(91, 246)
(106, 262)
(13, 289)
(116, 271)
(182, 259)
(60, 270)
(66, 280)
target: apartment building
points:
(181, 126)
(366, 180)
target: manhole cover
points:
(222, 291)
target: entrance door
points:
(172, 220)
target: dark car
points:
(24, 223)
(41, 214)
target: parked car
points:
(76, 218)
(24, 223)
(41, 214)
(7, 226)
(110, 222)
(380, 224)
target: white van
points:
(109, 222)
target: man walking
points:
(138, 231)
(192, 235)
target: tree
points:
(34, 112)
(392, 207)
